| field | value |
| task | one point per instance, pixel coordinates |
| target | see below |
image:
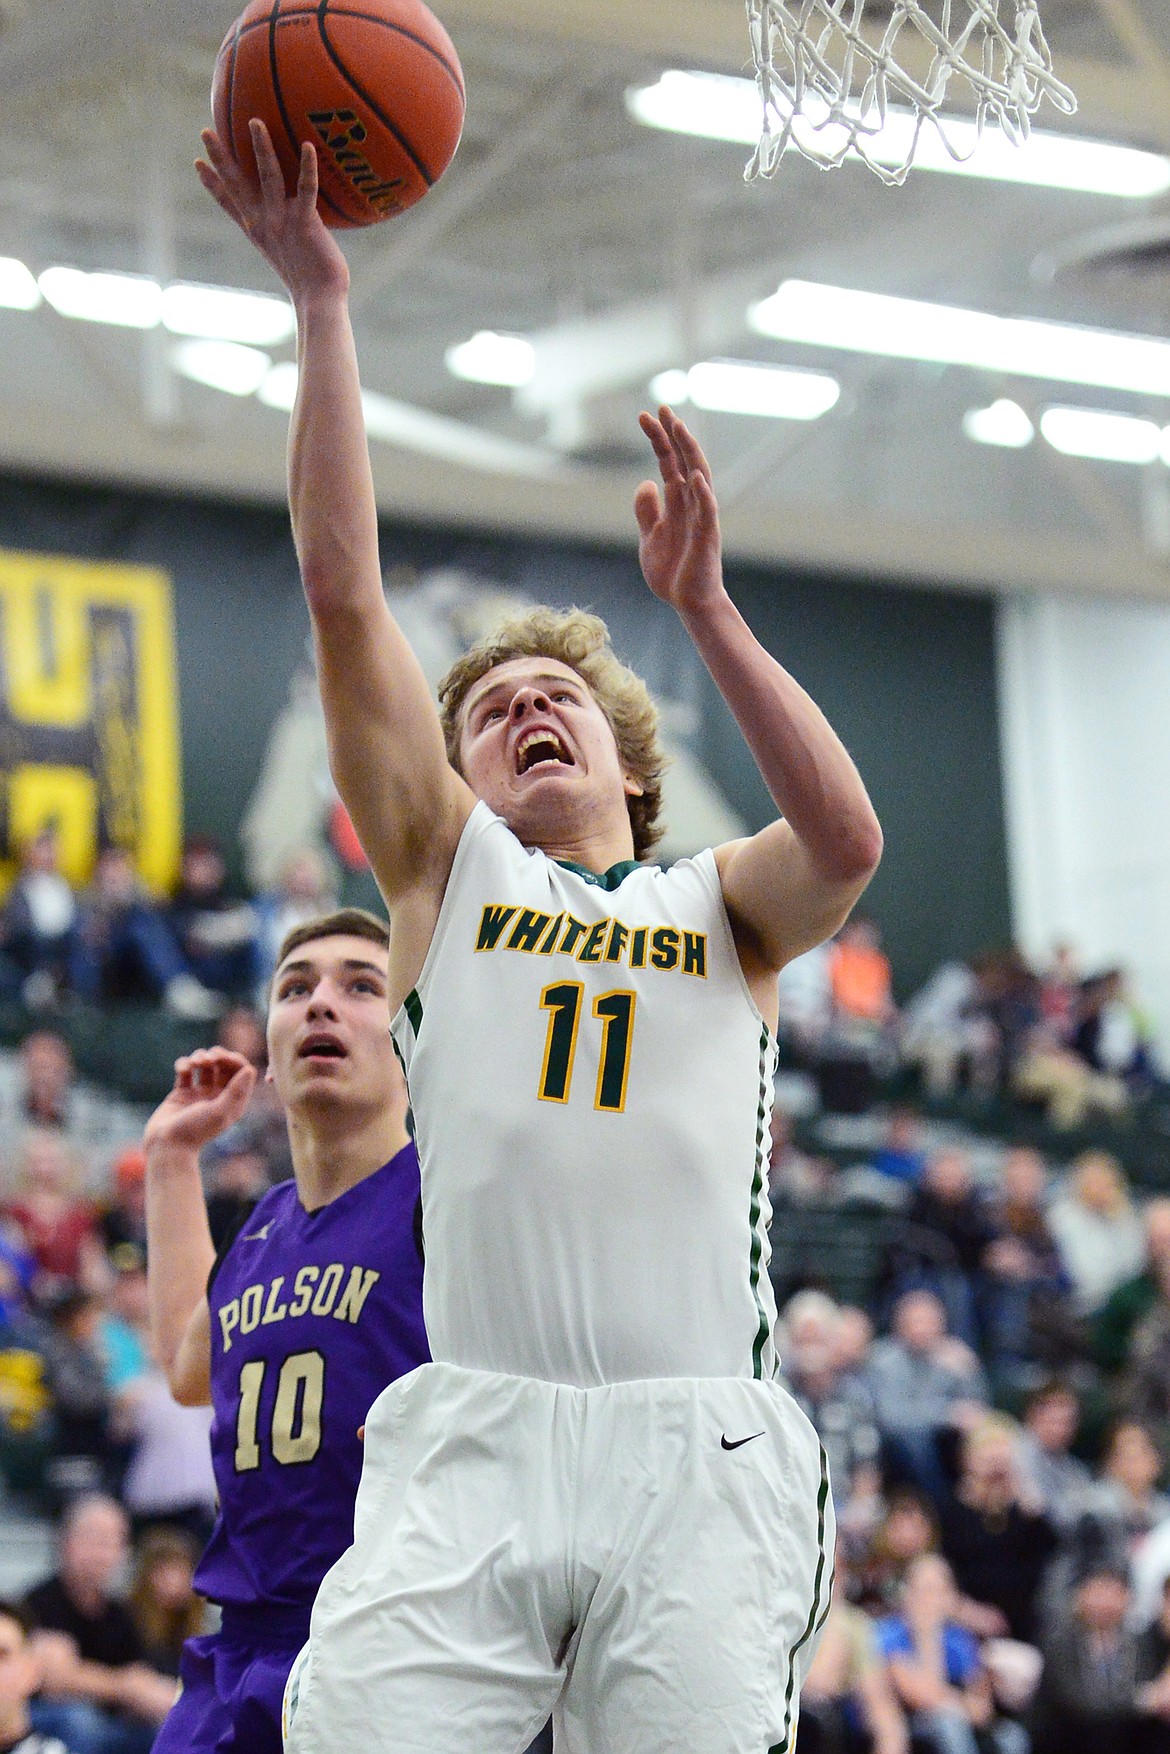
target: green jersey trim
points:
(817, 1614)
(611, 879)
(763, 1326)
(412, 1005)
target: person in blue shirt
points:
(937, 1672)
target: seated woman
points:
(936, 1670)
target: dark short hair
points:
(346, 922)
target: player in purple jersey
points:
(309, 1310)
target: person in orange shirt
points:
(859, 975)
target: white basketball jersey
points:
(592, 1086)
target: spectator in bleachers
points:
(997, 1538)
(86, 1455)
(53, 1220)
(924, 1384)
(122, 1219)
(908, 1529)
(1060, 993)
(1132, 1300)
(123, 1337)
(20, 1678)
(937, 1672)
(1124, 1501)
(901, 1156)
(846, 1703)
(264, 1125)
(1097, 1230)
(948, 1035)
(1146, 1381)
(168, 1478)
(306, 888)
(838, 1406)
(860, 978)
(162, 1600)
(39, 1088)
(1025, 1320)
(1050, 1474)
(853, 1338)
(806, 1004)
(941, 1244)
(100, 1695)
(236, 1176)
(1113, 1035)
(216, 933)
(127, 951)
(1087, 1699)
(1049, 1072)
(38, 927)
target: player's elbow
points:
(187, 1391)
(858, 851)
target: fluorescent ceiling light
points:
(1004, 423)
(1111, 438)
(222, 365)
(18, 288)
(129, 301)
(279, 388)
(905, 328)
(718, 107)
(219, 313)
(489, 358)
(731, 386)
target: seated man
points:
(99, 1695)
(20, 1676)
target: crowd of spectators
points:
(1068, 1044)
(195, 953)
(996, 1414)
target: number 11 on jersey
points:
(615, 1011)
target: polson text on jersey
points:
(315, 1291)
(606, 941)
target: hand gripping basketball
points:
(287, 230)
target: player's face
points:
(536, 746)
(328, 1029)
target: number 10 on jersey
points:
(615, 1012)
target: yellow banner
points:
(89, 713)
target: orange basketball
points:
(376, 85)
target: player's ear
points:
(633, 788)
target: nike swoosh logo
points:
(740, 1441)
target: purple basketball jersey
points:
(312, 1314)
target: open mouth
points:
(540, 749)
(321, 1047)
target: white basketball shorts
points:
(653, 1559)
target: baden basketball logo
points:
(341, 132)
(89, 732)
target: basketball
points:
(376, 86)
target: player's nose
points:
(528, 699)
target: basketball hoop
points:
(830, 86)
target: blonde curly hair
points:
(580, 640)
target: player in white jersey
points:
(598, 1497)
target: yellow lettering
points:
(491, 926)
(574, 931)
(327, 1290)
(695, 953)
(590, 951)
(250, 1305)
(303, 1287)
(361, 1283)
(64, 798)
(638, 948)
(527, 931)
(665, 952)
(274, 1312)
(229, 1321)
(47, 658)
(619, 937)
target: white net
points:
(832, 84)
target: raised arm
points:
(210, 1093)
(385, 743)
(792, 885)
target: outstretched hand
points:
(680, 548)
(209, 1095)
(287, 229)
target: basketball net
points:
(828, 86)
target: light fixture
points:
(1108, 438)
(733, 386)
(279, 386)
(905, 328)
(129, 301)
(1003, 423)
(220, 313)
(716, 106)
(222, 365)
(489, 358)
(18, 287)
